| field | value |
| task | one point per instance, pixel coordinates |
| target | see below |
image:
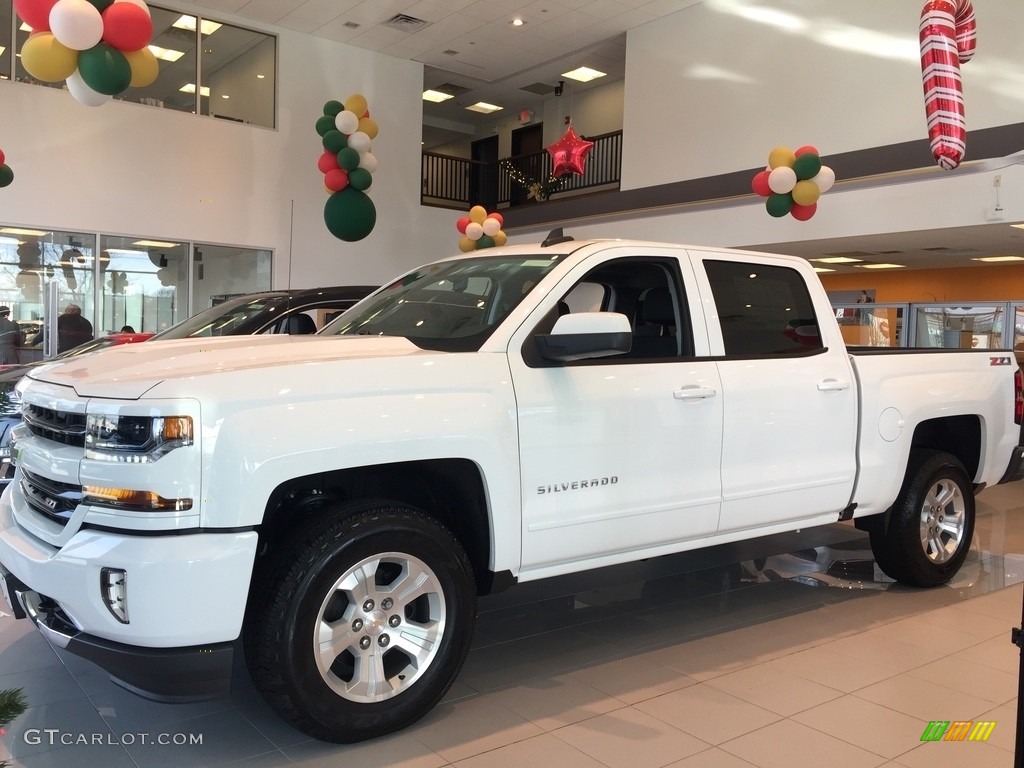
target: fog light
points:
(114, 588)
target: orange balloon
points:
(368, 126)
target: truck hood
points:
(129, 371)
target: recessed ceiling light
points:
(1018, 226)
(998, 258)
(483, 107)
(837, 260)
(191, 88)
(880, 266)
(823, 269)
(167, 54)
(436, 96)
(583, 74)
(156, 244)
(517, 22)
(19, 231)
(189, 22)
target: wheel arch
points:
(959, 436)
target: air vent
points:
(451, 88)
(450, 52)
(541, 89)
(851, 254)
(406, 23)
(936, 248)
(352, 25)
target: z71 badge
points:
(999, 361)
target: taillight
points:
(1018, 405)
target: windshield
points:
(452, 306)
(223, 319)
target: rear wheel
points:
(931, 523)
(364, 623)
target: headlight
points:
(135, 439)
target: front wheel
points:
(931, 523)
(365, 622)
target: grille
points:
(51, 498)
(59, 426)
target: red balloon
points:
(807, 148)
(462, 223)
(336, 180)
(328, 162)
(760, 184)
(3, 158)
(127, 27)
(35, 13)
(497, 216)
(569, 153)
(803, 212)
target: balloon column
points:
(480, 230)
(97, 46)
(347, 165)
(947, 37)
(6, 174)
(793, 182)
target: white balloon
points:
(782, 180)
(491, 226)
(474, 231)
(346, 121)
(140, 3)
(83, 93)
(367, 160)
(359, 141)
(825, 179)
(76, 24)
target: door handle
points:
(833, 385)
(694, 393)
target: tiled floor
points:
(784, 652)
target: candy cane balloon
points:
(948, 34)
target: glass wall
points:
(979, 326)
(206, 67)
(220, 272)
(144, 284)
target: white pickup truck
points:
(337, 502)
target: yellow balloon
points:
(466, 245)
(477, 214)
(806, 193)
(46, 59)
(357, 103)
(145, 67)
(781, 156)
(368, 126)
(500, 238)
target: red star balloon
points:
(569, 153)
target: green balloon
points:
(101, 5)
(324, 124)
(350, 215)
(348, 158)
(807, 166)
(335, 141)
(484, 241)
(105, 69)
(360, 178)
(779, 205)
(6, 175)
(332, 108)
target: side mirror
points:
(586, 335)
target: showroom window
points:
(206, 67)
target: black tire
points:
(390, 662)
(931, 523)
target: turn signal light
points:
(128, 499)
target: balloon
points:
(803, 212)
(328, 161)
(805, 149)
(477, 214)
(348, 159)
(485, 241)
(334, 141)
(333, 107)
(368, 161)
(356, 104)
(3, 157)
(145, 67)
(102, 5)
(359, 141)
(76, 24)
(491, 226)
(782, 180)
(127, 27)
(760, 184)
(779, 205)
(350, 214)
(569, 154)
(6, 175)
(497, 217)
(500, 238)
(806, 193)
(324, 124)
(346, 122)
(781, 157)
(83, 93)
(336, 180)
(360, 178)
(474, 230)
(947, 37)
(105, 69)
(807, 166)
(461, 223)
(368, 126)
(466, 245)
(825, 179)
(46, 59)
(35, 13)
(140, 3)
